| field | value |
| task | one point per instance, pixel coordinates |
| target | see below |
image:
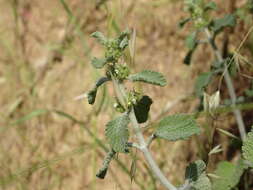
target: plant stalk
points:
(230, 86)
(121, 95)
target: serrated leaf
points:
(98, 63)
(194, 170)
(117, 133)
(191, 40)
(100, 37)
(228, 20)
(210, 6)
(177, 127)
(202, 81)
(141, 109)
(247, 147)
(203, 183)
(229, 175)
(150, 77)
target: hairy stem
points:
(121, 95)
(230, 86)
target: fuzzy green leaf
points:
(210, 6)
(98, 63)
(100, 37)
(247, 147)
(228, 20)
(150, 77)
(117, 133)
(177, 127)
(124, 43)
(141, 109)
(194, 170)
(202, 81)
(196, 176)
(191, 41)
(229, 175)
(203, 183)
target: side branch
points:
(230, 86)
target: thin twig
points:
(230, 86)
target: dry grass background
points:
(44, 63)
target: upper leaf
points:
(117, 133)
(141, 109)
(100, 37)
(202, 81)
(191, 43)
(98, 63)
(183, 22)
(177, 127)
(191, 40)
(93, 92)
(150, 77)
(210, 6)
(229, 175)
(228, 20)
(247, 147)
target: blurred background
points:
(50, 141)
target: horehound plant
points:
(133, 108)
(203, 23)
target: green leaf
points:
(141, 109)
(229, 175)
(202, 81)
(191, 41)
(93, 92)
(100, 37)
(150, 77)
(247, 147)
(102, 172)
(194, 170)
(183, 22)
(203, 183)
(117, 133)
(188, 57)
(196, 176)
(210, 6)
(124, 43)
(177, 127)
(92, 96)
(98, 63)
(228, 20)
(249, 92)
